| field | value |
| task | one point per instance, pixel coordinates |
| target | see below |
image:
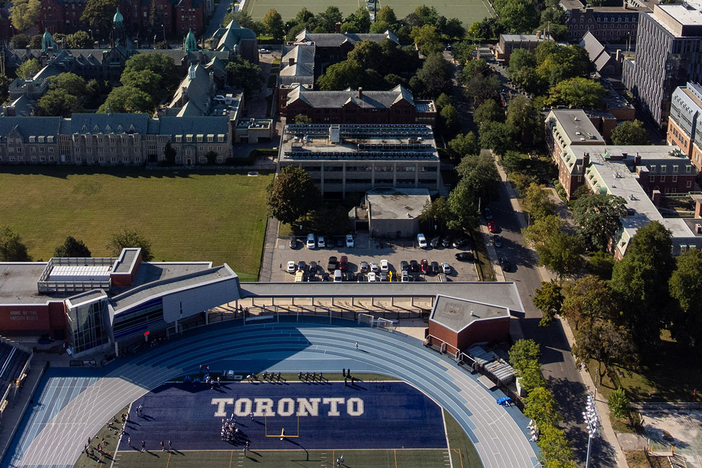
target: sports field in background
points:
(372, 424)
(468, 11)
(187, 216)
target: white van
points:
(421, 241)
(311, 244)
(338, 276)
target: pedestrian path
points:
(56, 438)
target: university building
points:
(685, 122)
(344, 158)
(607, 24)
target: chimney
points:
(291, 61)
(360, 93)
(616, 57)
(586, 161)
(656, 197)
(337, 28)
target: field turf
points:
(217, 217)
(398, 427)
(468, 11)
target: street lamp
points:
(592, 421)
(164, 32)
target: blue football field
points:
(312, 416)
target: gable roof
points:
(337, 39)
(337, 99)
(217, 125)
(229, 37)
(595, 50)
(195, 88)
(108, 123)
(302, 71)
(30, 126)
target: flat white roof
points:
(80, 273)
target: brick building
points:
(334, 47)
(607, 24)
(685, 122)
(396, 106)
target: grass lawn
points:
(482, 260)
(468, 11)
(187, 216)
(672, 374)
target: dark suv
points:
(331, 266)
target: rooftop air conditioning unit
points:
(698, 228)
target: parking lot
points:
(369, 250)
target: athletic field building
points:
(343, 158)
(92, 303)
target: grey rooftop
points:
(457, 314)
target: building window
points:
(675, 178)
(688, 184)
(652, 179)
(675, 168)
(688, 168)
(662, 178)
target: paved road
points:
(217, 17)
(558, 365)
(59, 424)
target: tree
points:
(79, 40)
(449, 120)
(528, 80)
(436, 74)
(489, 111)
(605, 342)
(359, 21)
(129, 238)
(342, 75)
(24, 14)
(577, 92)
(555, 448)
(72, 247)
(11, 247)
(464, 144)
(599, 218)
(329, 17)
(630, 133)
(463, 51)
(525, 119)
(523, 353)
(241, 18)
(58, 103)
(28, 69)
(549, 300)
(246, 75)
(427, 39)
(386, 14)
(537, 202)
(641, 279)
(496, 136)
(481, 88)
(473, 68)
(520, 58)
(302, 119)
(379, 27)
(161, 64)
(463, 209)
(19, 41)
(601, 265)
(589, 298)
(169, 154)
(540, 406)
(519, 16)
(454, 29)
(686, 291)
(618, 403)
(98, 14)
(35, 41)
(4, 88)
(435, 216)
(69, 83)
(481, 177)
(273, 24)
(126, 99)
(557, 250)
(530, 377)
(368, 54)
(143, 80)
(291, 195)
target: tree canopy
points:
(292, 194)
(525, 120)
(130, 238)
(549, 300)
(72, 247)
(160, 64)
(98, 14)
(464, 145)
(24, 14)
(28, 69)
(630, 133)
(57, 103)
(436, 74)
(686, 291)
(577, 92)
(245, 75)
(599, 218)
(126, 99)
(557, 250)
(489, 111)
(496, 136)
(273, 23)
(11, 247)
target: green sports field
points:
(217, 217)
(468, 11)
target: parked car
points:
(446, 241)
(292, 268)
(497, 241)
(313, 268)
(384, 265)
(425, 266)
(464, 256)
(405, 276)
(338, 276)
(462, 242)
(293, 243)
(300, 266)
(414, 266)
(434, 268)
(311, 244)
(435, 242)
(339, 242)
(488, 214)
(404, 266)
(446, 268)
(344, 263)
(374, 267)
(422, 241)
(364, 267)
(349, 241)
(321, 243)
(371, 277)
(383, 276)
(504, 263)
(332, 264)
(492, 227)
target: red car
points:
(344, 263)
(425, 266)
(491, 226)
